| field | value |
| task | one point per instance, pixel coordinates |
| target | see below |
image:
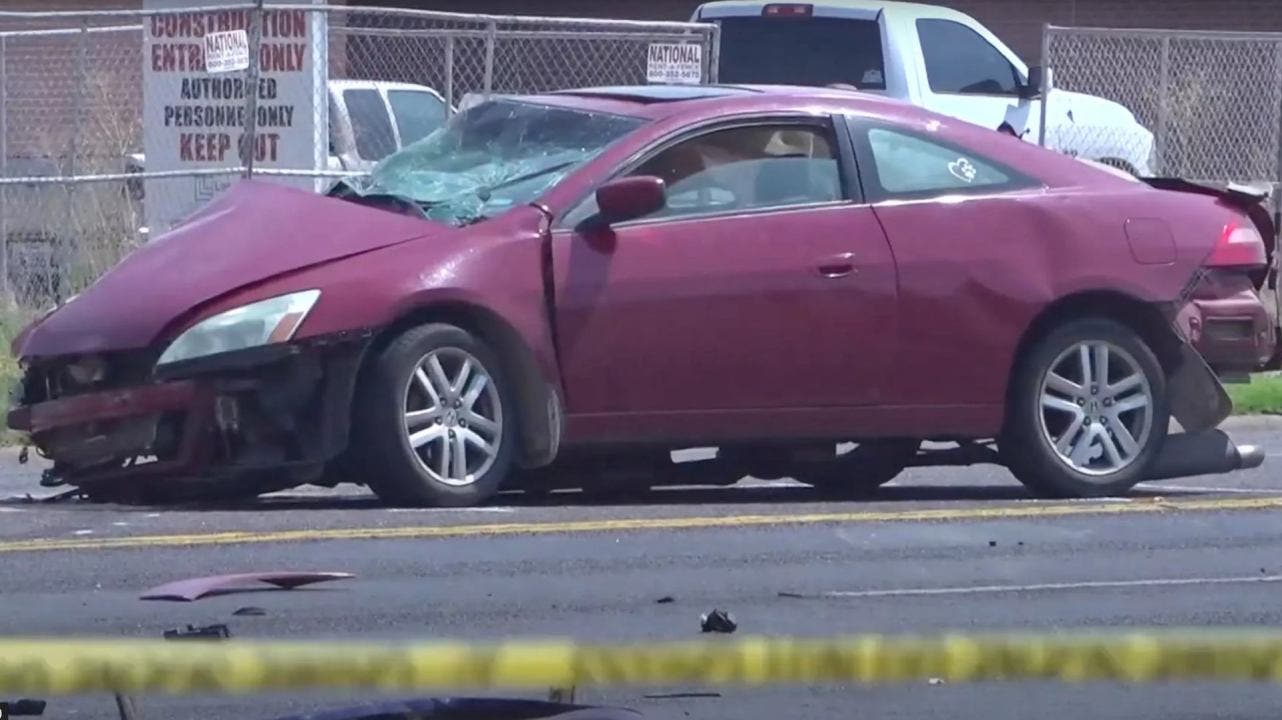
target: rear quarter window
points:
(907, 165)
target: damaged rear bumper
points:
(1234, 335)
(228, 416)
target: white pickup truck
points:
(931, 56)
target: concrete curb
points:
(1253, 423)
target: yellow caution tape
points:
(50, 667)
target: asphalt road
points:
(939, 550)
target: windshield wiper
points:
(485, 192)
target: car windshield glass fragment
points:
(493, 157)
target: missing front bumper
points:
(290, 412)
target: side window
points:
(960, 60)
(370, 125)
(417, 114)
(747, 168)
(909, 165)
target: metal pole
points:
(1046, 84)
(63, 245)
(4, 170)
(1163, 107)
(491, 37)
(250, 139)
(714, 54)
(449, 74)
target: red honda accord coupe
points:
(590, 279)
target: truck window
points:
(416, 113)
(802, 51)
(960, 60)
(370, 126)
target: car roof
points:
(660, 101)
(646, 94)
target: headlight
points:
(262, 323)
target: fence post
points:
(249, 147)
(491, 37)
(4, 170)
(63, 247)
(1163, 109)
(714, 54)
(449, 74)
(1047, 82)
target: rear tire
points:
(435, 420)
(1071, 433)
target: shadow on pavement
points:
(691, 496)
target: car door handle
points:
(837, 266)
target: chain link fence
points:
(93, 160)
(1212, 100)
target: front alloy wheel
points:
(453, 416)
(430, 426)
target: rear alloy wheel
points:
(1089, 412)
(431, 423)
(864, 469)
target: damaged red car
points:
(814, 281)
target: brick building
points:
(1018, 22)
(38, 71)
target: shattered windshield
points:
(492, 157)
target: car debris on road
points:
(192, 589)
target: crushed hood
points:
(253, 232)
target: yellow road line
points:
(1008, 512)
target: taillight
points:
(1239, 246)
(787, 10)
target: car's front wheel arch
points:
(538, 402)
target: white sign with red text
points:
(226, 51)
(194, 100)
(674, 63)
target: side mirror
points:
(629, 198)
(1036, 85)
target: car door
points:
(961, 226)
(967, 77)
(764, 284)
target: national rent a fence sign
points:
(674, 63)
(194, 100)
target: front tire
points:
(1088, 411)
(434, 423)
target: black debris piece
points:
(718, 621)
(209, 632)
(786, 594)
(666, 599)
(23, 708)
(250, 610)
(1020, 543)
(992, 543)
